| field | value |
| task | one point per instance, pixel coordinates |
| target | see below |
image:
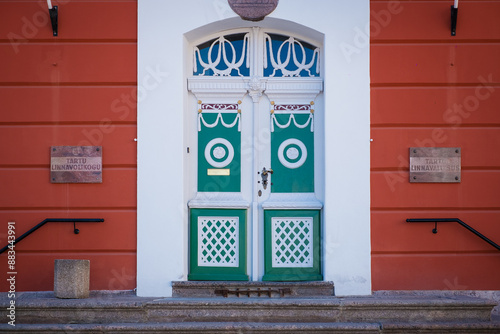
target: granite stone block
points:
(71, 278)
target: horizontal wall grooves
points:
(57, 210)
(373, 85)
(434, 210)
(76, 89)
(491, 252)
(432, 126)
(429, 89)
(406, 169)
(65, 123)
(47, 166)
(435, 41)
(68, 41)
(69, 252)
(20, 84)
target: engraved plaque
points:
(435, 164)
(253, 10)
(76, 164)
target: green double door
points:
(255, 214)
(255, 168)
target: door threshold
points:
(227, 289)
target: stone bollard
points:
(71, 278)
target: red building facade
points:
(428, 89)
(431, 89)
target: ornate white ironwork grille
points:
(223, 56)
(234, 55)
(292, 242)
(218, 241)
(288, 57)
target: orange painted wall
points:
(75, 89)
(431, 89)
(79, 89)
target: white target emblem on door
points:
(219, 152)
(292, 153)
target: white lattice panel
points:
(292, 242)
(218, 241)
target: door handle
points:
(265, 174)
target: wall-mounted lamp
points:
(53, 17)
(454, 14)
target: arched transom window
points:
(232, 55)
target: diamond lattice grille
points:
(292, 241)
(218, 241)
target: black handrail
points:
(455, 220)
(54, 220)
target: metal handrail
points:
(54, 220)
(455, 220)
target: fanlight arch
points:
(256, 51)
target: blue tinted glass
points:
(224, 56)
(290, 57)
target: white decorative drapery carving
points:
(219, 109)
(292, 109)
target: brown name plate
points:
(435, 164)
(76, 164)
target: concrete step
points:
(204, 289)
(353, 309)
(255, 327)
(44, 308)
(456, 327)
(199, 327)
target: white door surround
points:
(165, 30)
(267, 85)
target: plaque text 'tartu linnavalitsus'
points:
(435, 164)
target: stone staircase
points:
(255, 307)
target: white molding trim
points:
(299, 201)
(218, 200)
(298, 90)
(278, 89)
(208, 87)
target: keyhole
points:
(260, 193)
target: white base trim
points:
(297, 201)
(218, 200)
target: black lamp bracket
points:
(53, 19)
(454, 14)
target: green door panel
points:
(217, 249)
(292, 245)
(292, 155)
(219, 153)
